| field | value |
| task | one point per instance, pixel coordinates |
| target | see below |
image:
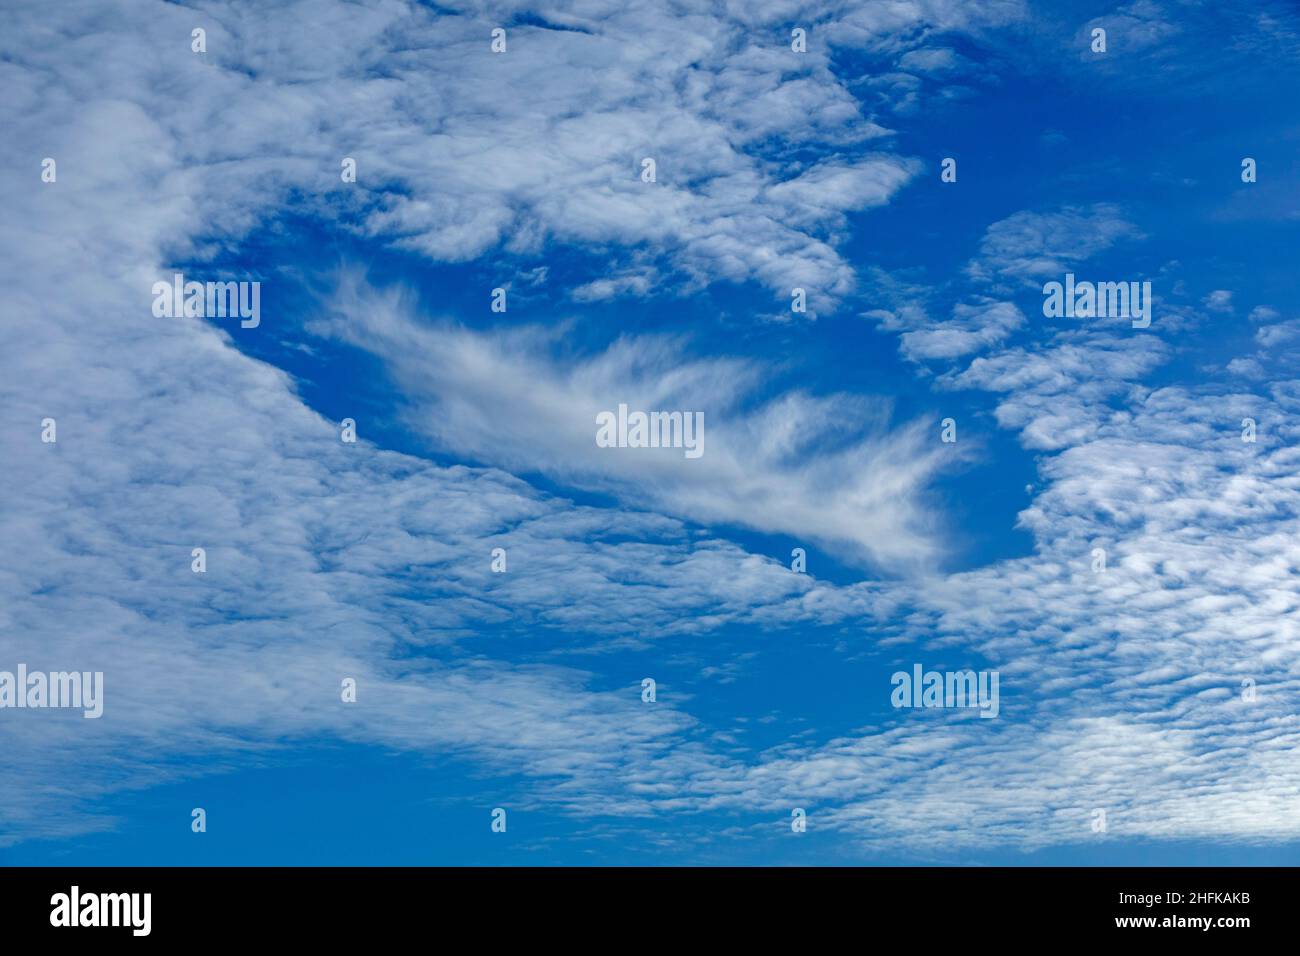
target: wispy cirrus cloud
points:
(836, 468)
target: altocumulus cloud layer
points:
(1121, 690)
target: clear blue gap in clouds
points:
(298, 257)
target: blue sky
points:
(1120, 691)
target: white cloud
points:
(1031, 247)
(832, 468)
(972, 328)
(1220, 300)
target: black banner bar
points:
(328, 905)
